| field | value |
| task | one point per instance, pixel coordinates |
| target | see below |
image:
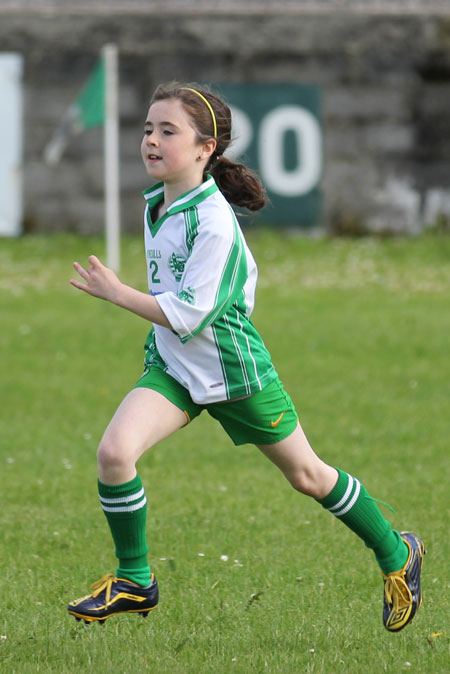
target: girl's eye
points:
(167, 132)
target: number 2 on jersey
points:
(154, 271)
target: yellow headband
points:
(209, 106)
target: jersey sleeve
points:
(213, 278)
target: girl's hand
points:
(100, 281)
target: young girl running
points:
(203, 352)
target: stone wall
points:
(385, 78)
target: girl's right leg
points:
(143, 419)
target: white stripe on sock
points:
(348, 491)
(123, 499)
(352, 502)
(126, 509)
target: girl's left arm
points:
(103, 283)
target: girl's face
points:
(170, 149)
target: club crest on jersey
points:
(176, 264)
(187, 295)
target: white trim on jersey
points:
(151, 194)
(191, 195)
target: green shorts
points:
(263, 418)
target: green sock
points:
(125, 507)
(350, 502)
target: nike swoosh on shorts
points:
(275, 423)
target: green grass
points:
(359, 332)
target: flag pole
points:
(111, 157)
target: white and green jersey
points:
(204, 276)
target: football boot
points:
(111, 595)
(402, 593)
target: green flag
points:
(91, 101)
(87, 111)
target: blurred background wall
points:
(383, 69)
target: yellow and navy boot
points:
(402, 593)
(111, 596)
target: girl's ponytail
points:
(240, 185)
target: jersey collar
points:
(155, 194)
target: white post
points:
(11, 143)
(111, 157)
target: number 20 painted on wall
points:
(270, 145)
(276, 130)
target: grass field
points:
(254, 577)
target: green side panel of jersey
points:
(245, 361)
(152, 356)
(233, 278)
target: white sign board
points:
(11, 129)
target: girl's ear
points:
(208, 148)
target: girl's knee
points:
(315, 483)
(304, 483)
(110, 453)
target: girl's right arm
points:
(103, 283)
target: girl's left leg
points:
(346, 498)
(341, 494)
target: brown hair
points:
(240, 185)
